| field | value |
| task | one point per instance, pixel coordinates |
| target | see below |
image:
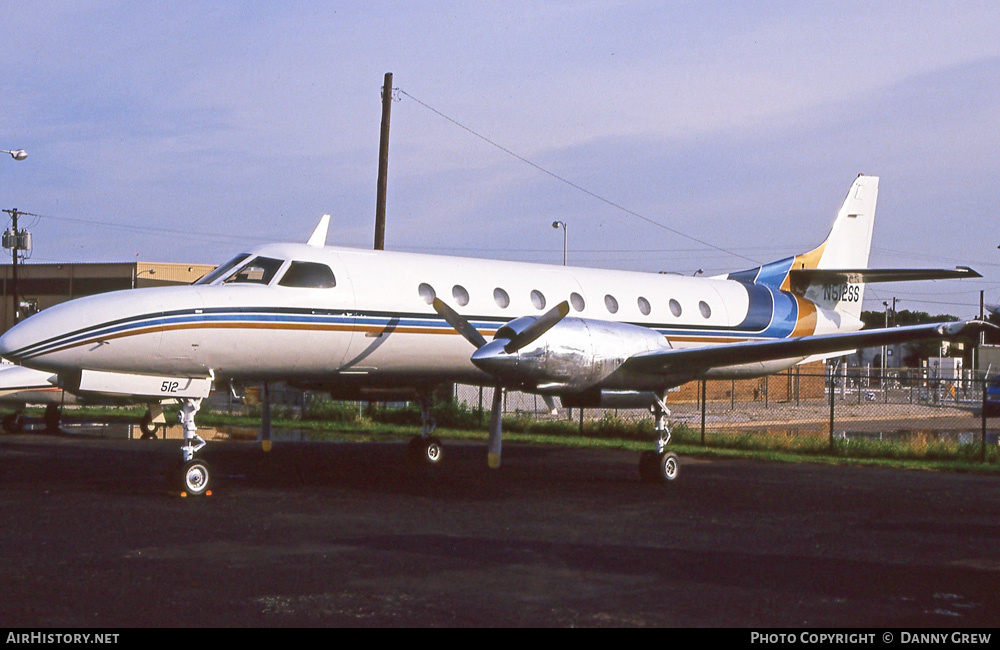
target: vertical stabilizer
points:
(850, 240)
(846, 248)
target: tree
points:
(915, 352)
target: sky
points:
(668, 136)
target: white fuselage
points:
(376, 326)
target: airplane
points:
(384, 325)
(20, 386)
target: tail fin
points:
(846, 247)
(850, 240)
(833, 275)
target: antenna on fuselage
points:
(318, 238)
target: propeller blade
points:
(542, 324)
(496, 429)
(461, 325)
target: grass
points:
(340, 421)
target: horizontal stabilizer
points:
(801, 278)
(731, 354)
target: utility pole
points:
(982, 335)
(13, 265)
(16, 240)
(383, 164)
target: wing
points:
(733, 354)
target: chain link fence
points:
(842, 404)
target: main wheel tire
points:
(649, 471)
(147, 427)
(669, 466)
(425, 451)
(659, 468)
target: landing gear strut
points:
(425, 449)
(53, 414)
(660, 466)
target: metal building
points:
(40, 286)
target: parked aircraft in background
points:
(21, 386)
(366, 324)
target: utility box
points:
(944, 368)
(988, 360)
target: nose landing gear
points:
(191, 476)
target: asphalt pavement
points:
(350, 534)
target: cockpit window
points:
(259, 270)
(223, 270)
(308, 275)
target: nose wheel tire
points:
(191, 478)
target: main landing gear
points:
(191, 476)
(151, 421)
(15, 422)
(425, 449)
(660, 466)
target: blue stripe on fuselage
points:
(771, 313)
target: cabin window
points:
(705, 310)
(537, 299)
(460, 295)
(644, 306)
(223, 270)
(426, 292)
(259, 270)
(611, 303)
(501, 298)
(308, 275)
(576, 300)
(675, 307)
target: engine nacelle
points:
(612, 399)
(575, 354)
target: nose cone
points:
(16, 341)
(79, 333)
(491, 358)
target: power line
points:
(574, 185)
(147, 229)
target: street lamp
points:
(136, 273)
(16, 154)
(885, 348)
(562, 224)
